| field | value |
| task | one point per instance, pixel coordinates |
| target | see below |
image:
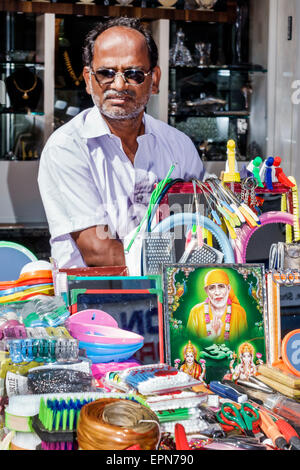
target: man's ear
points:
(156, 73)
(86, 76)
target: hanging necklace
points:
(76, 79)
(208, 322)
(25, 92)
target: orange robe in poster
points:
(197, 325)
(195, 371)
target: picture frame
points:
(136, 310)
(283, 310)
(219, 347)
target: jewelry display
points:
(25, 95)
(28, 145)
(76, 80)
(24, 88)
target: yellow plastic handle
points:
(250, 221)
(230, 229)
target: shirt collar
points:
(95, 125)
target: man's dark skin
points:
(117, 48)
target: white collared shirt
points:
(86, 179)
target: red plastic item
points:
(282, 178)
(165, 372)
(289, 433)
(180, 438)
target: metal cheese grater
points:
(201, 254)
(158, 249)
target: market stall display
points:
(74, 371)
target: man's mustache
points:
(118, 95)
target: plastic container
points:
(285, 407)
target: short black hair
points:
(133, 23)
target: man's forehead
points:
(119, 34)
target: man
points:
(220, 317)
(97, 171)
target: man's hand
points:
(98, 248)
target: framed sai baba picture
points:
(214, 318)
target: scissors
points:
(243, 417)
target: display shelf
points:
(28, 226)
(16, 63)
(227, 16)
(229, 114)
(32, 235)
(26, 113)
(239, 68)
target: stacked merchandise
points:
(71, 377)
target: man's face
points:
(218, 294)
(120, 48)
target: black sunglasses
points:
(130, 76)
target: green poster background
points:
(184, 287)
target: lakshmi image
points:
(246, 368)
(190, 365)
(220, 317)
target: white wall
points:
(295, 151)
(284, 69)
(20, 197)
(158, 104)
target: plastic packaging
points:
(43, 349)
(25, 441)
(285, 407)
(151, 379)
(59, 381)
(40, 311)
